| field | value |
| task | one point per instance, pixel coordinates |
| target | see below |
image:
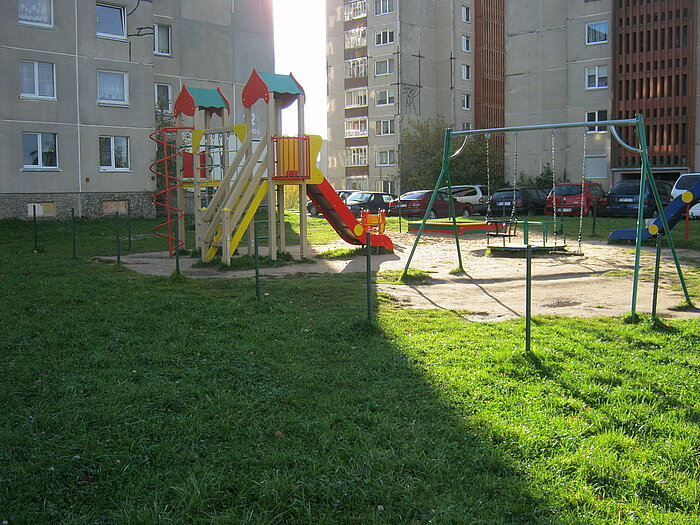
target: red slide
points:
(341, 218)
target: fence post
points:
(116, 230)
(128, 221)
(34, 229)
(74, 236)
(369, 277)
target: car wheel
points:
(467, 212)
(313, 210)
(530, 211)
(431, 214)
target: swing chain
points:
(488, 176)
(583, 185)
(554, 193)
(513, 215)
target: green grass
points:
(413, 276)
(136, 399)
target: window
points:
(356, 67)
(161, 39)
(356, 127)
(36, 80)
(383, 37)
(39, 150)
(35, 12)
(355, 10)
(114, 153)
(466, 126)
(164, 99)
(596, 77)
(356, 156)
(110, 21)
(466, 43)
(465, 13)
(466, 101)
(356, 98)
(383, 6)
(112, 88)
(356, 37)
(386, 97)
(466, 72)
(384, 67)
(593, 116)
(597, 32)
(385, 127)
(386, 157)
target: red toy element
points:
(190, 99)
(374, 223)
(172, 183)
(260, 85)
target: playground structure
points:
(660, 227)
(233, 175)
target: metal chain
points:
(513, 215)
(488, 176)
(554, 193)
(583, 182)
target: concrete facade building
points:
(81, 83)
(596, 60)
(392, 61)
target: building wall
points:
(212, 44)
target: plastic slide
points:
(340, 217)
(674, 212)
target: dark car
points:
(372, 201)
(528, 201)
(568, 199)
(415, 204)
(314, 211)
(623, 199)
(474, 194)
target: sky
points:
(300, 49)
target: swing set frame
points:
(646, 178)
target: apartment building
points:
(392, 61)
(82, 82)
(595, 60)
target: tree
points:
(420, 159)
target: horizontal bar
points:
(599, 123)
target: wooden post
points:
(304, 170)
(271, 216)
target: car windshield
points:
(505, 194)
(359, 196)
(413, 195)
(686, 181)
(625, 188)
(568, 189)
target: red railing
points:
(161, 168)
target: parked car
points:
(415, 204)
(474, 194)
(568, 199)
(684, 183)
(372, 201)
(315, 212)
(528, 201)
(623, 199)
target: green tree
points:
(420, 159)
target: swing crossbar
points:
(597, 123)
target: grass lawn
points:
(135, 399)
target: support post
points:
(34, 229)
(368, 247)
(257, 260)
(74, 234)
(118, 237)
(657, 264)
(528, 298)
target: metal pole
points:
(128, 221)
(74, 236)
(528, 297)
(177, 246)
(595, 215)
(116, 229)
(656, 277)
(257, 260)
(369, 277)
(34, 230)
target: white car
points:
(684, 183)
(473, 194)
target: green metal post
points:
(657, 264)
(117, 234)
(443, 172)
(369, 278)
(177, 246)
(526, 232)
(128, 221)
(528, 297)
(257, 260)
(453, 212)
(595, 215)
(34, 229)
(74, 234)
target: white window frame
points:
(356, 127)
(466, 72)
(169, 109)
(385, 127)
(111, 167)
(593, 116)
(122, 11)
(382, 7)
(390, 155)
(384, 37)
(466, 101)
(355, 10)
(591, 31)
(109, 102)
(356, 98)
(40, 166)
(157, 42)
(356, 37)
(595, 72)
(466, 43)
(390, 97)
(390, 67)
(35, 77)
(25, 22)
(356, 156)
(466, 14)
(356, 67)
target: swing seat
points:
(503, 229)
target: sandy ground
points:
(597, 283)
